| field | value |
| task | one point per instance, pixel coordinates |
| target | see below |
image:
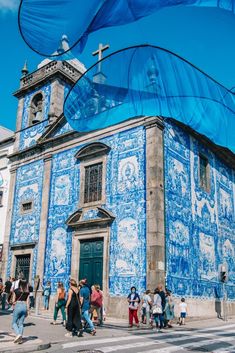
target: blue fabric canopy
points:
(43, 22)
(151, 81)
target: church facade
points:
(143, 202)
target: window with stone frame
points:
(1, 198)
(36, 109)
(204, 172)
(26, 206)
(93, 183)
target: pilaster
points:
(44, 216)
(10, 209)
(155, 205)
(57, 98)
(18, 123)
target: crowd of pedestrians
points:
(156, 307)
(81, 305)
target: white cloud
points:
(9, 5)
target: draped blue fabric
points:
(150, 81)
(43, 22)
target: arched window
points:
(36, 109)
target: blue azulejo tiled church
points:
(142, 202)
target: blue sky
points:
(204, 36)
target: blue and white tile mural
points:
(125, 198)
(200, 225)
(25, 225)
(30, 135)
(63, 202)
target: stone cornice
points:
(61, 69)
(73, 138)
(23, 246)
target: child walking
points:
(183, 311)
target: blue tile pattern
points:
(63, 202)
(25, 226)
(125, 197)
(200, 225)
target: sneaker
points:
(93, 332)
(18, 339)
(69, 334)
(80, 334)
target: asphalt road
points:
(213, 335)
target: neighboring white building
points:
(6, 148)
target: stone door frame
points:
(88, 234)
(16, 252)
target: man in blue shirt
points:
(85, 295)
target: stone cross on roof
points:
(99, 52)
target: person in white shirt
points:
(145, 308)
(183, 311)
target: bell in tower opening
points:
(36, 109)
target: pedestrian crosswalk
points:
(219, 339)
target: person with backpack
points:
(46, 295)
(97, 302)
(60, 303)
(133, 300)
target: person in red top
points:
(97, 302)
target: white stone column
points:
(44, 217)
(155, 204)
(18, 123)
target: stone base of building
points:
(117, 307)
(201, 308)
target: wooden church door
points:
(91, 261)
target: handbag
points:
(157, 310)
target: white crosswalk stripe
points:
(126, 338)
(178, 340)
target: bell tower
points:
(41, 95)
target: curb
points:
(28, 349)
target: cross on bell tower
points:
(99, 76)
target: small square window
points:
(204, 172)
(27, 206)
(1, 198)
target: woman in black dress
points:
(73, 307)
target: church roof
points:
(5, 133)
(68, 56)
